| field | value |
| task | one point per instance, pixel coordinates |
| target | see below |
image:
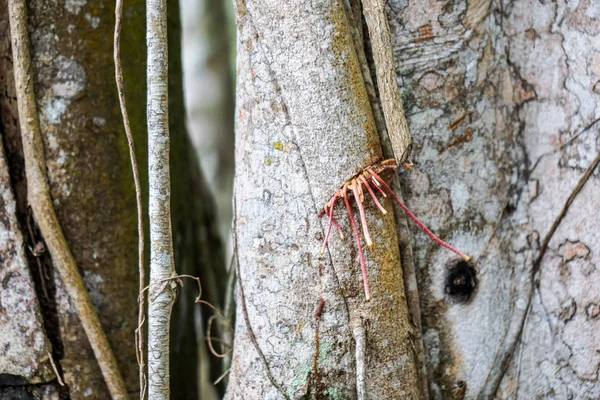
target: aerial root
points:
(370, 177)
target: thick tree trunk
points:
(92, 188)
(503, 105)
(502, 102)
(305, 126)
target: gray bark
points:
(503, 107)
(22, 335)
(502, 102)
(305, 126)
(163, 282)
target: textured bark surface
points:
(503, 106)
(304, 126)
(385, 71)
(22, 336)
(85, 153)
(25, 346)
(163, 287)
(502, 99)
(92, 188)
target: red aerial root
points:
(368, 177)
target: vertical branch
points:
(40, 200)
(385, 69)
(360, 345)
(162, 290)
(138, 196)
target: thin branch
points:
(515, 330)
(582, 181)
(385, 69)
(565, 144)
(140, 350)
(55, 369)
(40, 200)
(160, 298)
(220, 378)
(360, 344)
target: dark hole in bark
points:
(9, 380)
(16, 393)
(461, 281)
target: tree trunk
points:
(305, 126)
(503, 99)
(92, 189)
(502, 102)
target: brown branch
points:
(385, 69)
(55, 369)
(39, 198)
(140, 350)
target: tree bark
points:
(503, 107)
(88, 166)
(304, 126)
(502, 103)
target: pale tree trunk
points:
(304, 126)
(91, 184)
(503, 105)
(163, 282)
(501, 100)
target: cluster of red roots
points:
(368, 179)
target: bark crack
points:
(562, 146)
